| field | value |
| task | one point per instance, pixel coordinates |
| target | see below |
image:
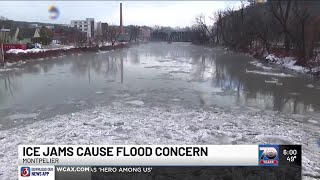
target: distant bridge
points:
(183, 36)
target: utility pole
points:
(121, 23)
(2, 39)
(2, 55)
(4, 35)
(121, 60)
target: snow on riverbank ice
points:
(105, 44)
(7, 69)
(16, 51)
(287, 62)
(65, 47)
(130, 124)
(36, 50)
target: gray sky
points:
(164, 13)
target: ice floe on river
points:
(260, 65)
(269, 73)
(136, 102)
(22, 116)
(310, 86)
(132, 124)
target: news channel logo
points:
(53, 12)
(268, 155)
(25, 171)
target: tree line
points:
(71, 35)
(288, 27)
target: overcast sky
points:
(164, 13)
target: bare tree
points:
(201, 21)
(4, 38)
(282, 15)
(219, 25)
(113, 32)
(134, 32)
(199, 35)
(260, 26)
(301, 16)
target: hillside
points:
(10, 24)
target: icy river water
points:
(158, 93)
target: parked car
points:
(30, 46)
(35, 45)
(38, 45)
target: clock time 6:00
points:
(290, 152)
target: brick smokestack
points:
(121, 25)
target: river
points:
(193, 75)
(161, 81)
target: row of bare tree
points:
(108, 34)
(111, 33)
(290, 26)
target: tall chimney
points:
(121, 25)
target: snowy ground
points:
(134, 122)
(16, 51)
(37, 50)
(287, 62)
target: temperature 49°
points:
(291, 158)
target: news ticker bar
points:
(159, 155)
(158, 172)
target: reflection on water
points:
(196, 74)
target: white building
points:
(84, 26)
(33, 25)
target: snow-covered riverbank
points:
(286, 62)
(37, 50)
(123, 123)
(290, 63)
(14, 56)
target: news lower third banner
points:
(59, 162)
(211, 155)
